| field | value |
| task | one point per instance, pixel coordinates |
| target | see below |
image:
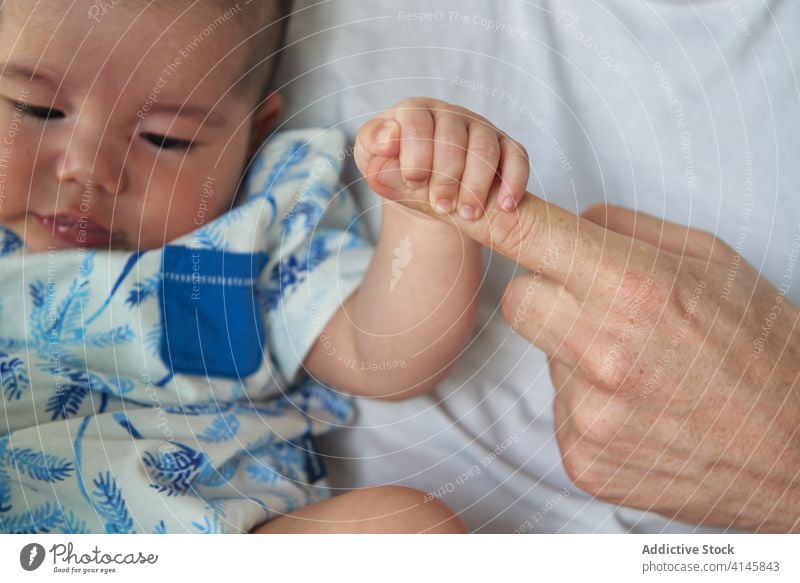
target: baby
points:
(183, 306)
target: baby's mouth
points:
(76, 231)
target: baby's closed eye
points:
(158, 140)
(39, 112)
(168, 143)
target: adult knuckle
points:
(574, 463)
(686, 295)
(590, 480)
(580, 466)
(609, 362)
(597, 424)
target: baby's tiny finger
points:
(416, 151)
(514, 173)
(483, 156)
(449, 159)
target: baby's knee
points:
(415, 511)
(382, 509)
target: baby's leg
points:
(383, 509)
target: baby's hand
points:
(430, 152)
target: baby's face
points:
(94, 151)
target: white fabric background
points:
(599, 125)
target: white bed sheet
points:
(583, 96)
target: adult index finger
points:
(550, 240)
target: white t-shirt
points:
(686, 110)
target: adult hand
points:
(676, 365)
(677, 374)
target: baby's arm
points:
(400, 332)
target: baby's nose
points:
(96, 167)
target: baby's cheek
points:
(17, 184)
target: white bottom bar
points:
(406, 559)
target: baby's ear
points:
(264, 120)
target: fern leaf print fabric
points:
(163, 391)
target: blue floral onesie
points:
(162, 391)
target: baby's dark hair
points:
(265, 22)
